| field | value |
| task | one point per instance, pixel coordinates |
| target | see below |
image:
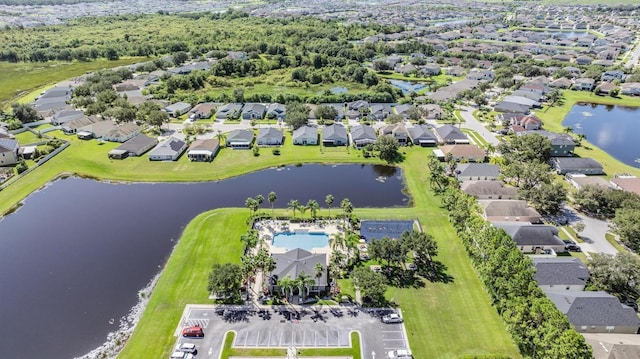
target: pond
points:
(74, 257)
(612, 128)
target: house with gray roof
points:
(202, 111)
(449, 134)
(305, 135)
(339, 107)
(203, 150)
(168, 150)
(229, 110)
(134, 147)
(9, 151)
(270, 136)
(380, 111)
(277, 111)
(562, 145)
(66, 116)
(178, 109)
(533, 238)
(240, 139)
(253, 111)
(477, 172)
(335, 135)
(521, 100)
(109, 130)
(489, 190)
(362, 135)
(296, 262)
(73, 126)
(596, 312)
(587, 166)
(510, 107)
(560, 274)
(510, 211)
(421, 135)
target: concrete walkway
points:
(472, 123)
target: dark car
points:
(568, 241)
(193, 332)
(573, 248)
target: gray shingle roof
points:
(297, 261)
(450, 133)
(478, 169)
(420, 132)
(235, 135)
(594, 309)
(334, 132)
(531, 235)
(560, 271)
(362, 132)
(269, 132)
(305, 131)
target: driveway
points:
(593, 234)
(289, 326)
(471, 123)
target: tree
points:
(259, 200)
(579, 227)
(238, 94)
(157, 118)
(313, 207)
(25, 113)
(388, 147)
(619, 275)
(422, 244)
(252, 205)
(627, 226)
(286, 283)
(526, 148)
(305, 281)
(264, 261)
(372, 285)
(337, 242)
(394, 118)
(221, 137)
(272, 197)
(414, 113)
(318, 271)
(297, 115)
(225, 280)
(180, 57)
(547, 198)
(326, 112)
(293, 205)
(329, 201)
(347, 208)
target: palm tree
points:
(568, 129)
(581, 136)
(286, 283)
(303, 209)
(318, 271)
(313, 206)
(329, 201)
(260, 200)
(221, 137)
(305, 281)
(252, 204)
(271, 197)
(337, 242)
(293, 205)
(347, 208)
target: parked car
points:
(573, 248)
(181, 355)
(392, 318)
(186, 347)
(193, 332)
(395, 354)
(568, 241)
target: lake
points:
(612, 128)
(75, 255)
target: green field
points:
(437, 315)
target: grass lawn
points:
(27, 137)
(612, 239)
(439, 309)
(553, 117)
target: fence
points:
(42, 161)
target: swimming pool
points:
(304, 240)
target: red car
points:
(193, 332)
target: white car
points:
(392, 318)
(186, 347)
(395, 354)
(181, 355)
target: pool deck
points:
(267, 229)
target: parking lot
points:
(288, 326)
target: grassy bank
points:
(437, 314)
(24, 78)
(553, 117)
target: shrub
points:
(276, 151)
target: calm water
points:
(73, 258)
(306, 241)
(612, 128)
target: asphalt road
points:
(284, 327)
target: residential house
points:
(111, 131)
(9, 149)
(579, 180)
(510, 107)
(270, 136)
(431, 69)
(203, 150)
(134, 147)
(510, 211)
(584, 60)
(611, 75)
(528, 122)
(521, 100)
(277, 111)
(229, 110)
(339, 107)
(532, 95)
(65, 116)
(606, 88)
(178, 109)
(73, 126)
(335, 135)
(561, 83)
(596, 312)
(613, 346)
(463, 152)
(362, 135)
(630, 88)
(359, 105)
(449, 134)
(402, 110)
(477, 172)
(398, 131)
(561, 274)
(482, 75)
(533, 238)
(562, 145)
(253, 111)
(305, 135)
(434, 111)
(455, 71)
(379, 111)
(489, 190)
(626, 183)
(587, 166)
(168, 150)
(422, 136)
(584, 84)
(295, 262)
(240, 139)
(202, 111)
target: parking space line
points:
(258, 338)
(327, 337)
(246, 338)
